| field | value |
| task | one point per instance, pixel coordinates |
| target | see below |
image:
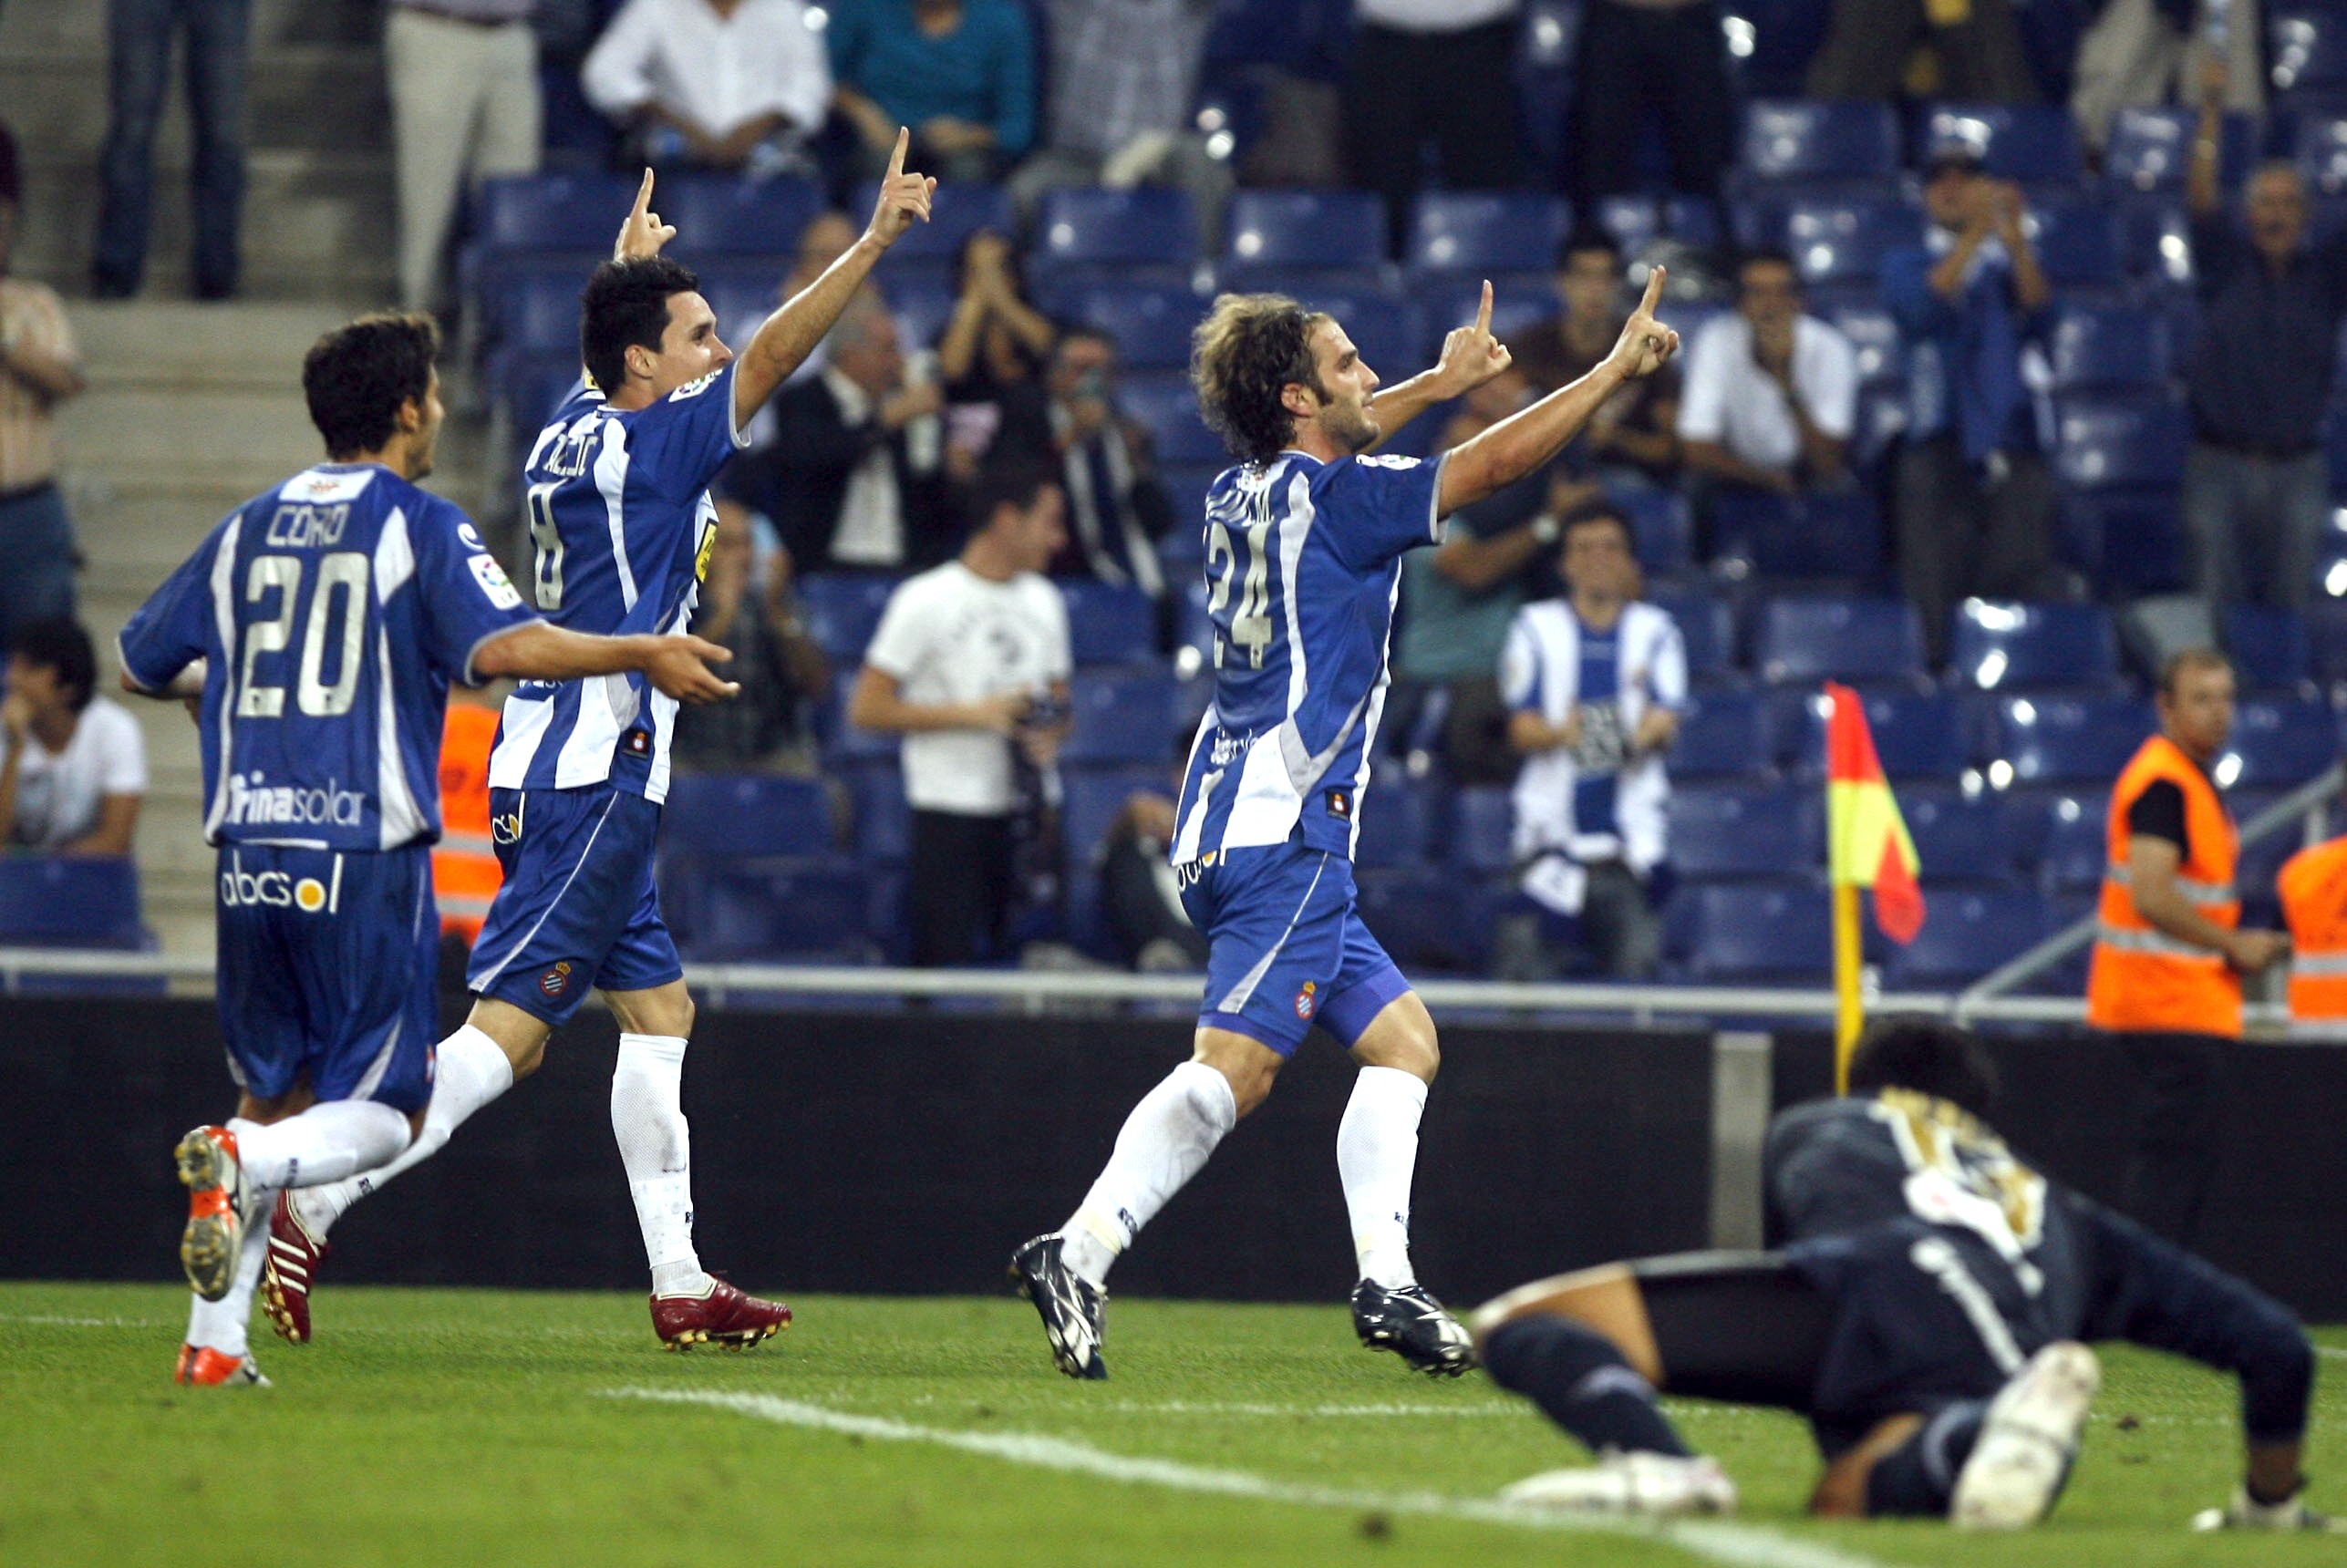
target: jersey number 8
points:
(341, 596)
(548, 539)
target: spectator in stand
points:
(1594, 683)
(1124, 74)
(1666, 58)
(1975, 47)
(961, 73)
(971, 663)
(1139, 898)
(781, 670)
(2257, 490)
(138, 49)
(76, 767)
(1459, 599)
(1973, 493)
(39, 369)
(1633, 440)
(1116, 510)
(994, 340)
(464, 91)
(852, 477)
(1430, 70)
(1772, 392)
(2138, 54)
(732, 84)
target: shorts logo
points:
(555, 981)
(241, 889)
(309, 895)
(1306, 1000)
(637, 743)
(1340, 804)
(505, 829)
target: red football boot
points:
(293, 1257)
(719, 1316)
(209, 1368)
(214, 1178)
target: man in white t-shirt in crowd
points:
(970, 662)
(732, 84)
(1770, 394)
(1594, 683)
(75, 766)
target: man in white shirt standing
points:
(733, 85)
(464, 90)
(74, 768)
(1595, 682)
(970, 664)
(1771, 393)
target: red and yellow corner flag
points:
(1866, 846)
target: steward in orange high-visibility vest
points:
(465, 873)
(2142, 978)
(2313, 886)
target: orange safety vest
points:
(2313, 886)
(2143, 979)
(465, 873)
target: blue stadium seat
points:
(2072, 854)
(1108, 624)
(2001, 645)
(2277, 742)
(1146, 230)
(1121, 718)
(883, 818)
(1823, 535)
(1519, 301)
(1483, 826)
(70, 901)
(1662, 534)
(1724, 831)
(844, 742)
(1959, 838)
(2307, 48)
(1964, 934)
(2322, 154)
(1918, 735)
(1801, 641)
(717, 215)
(2150, 149)
(731, 816)
(1724, 735)
(956, 212)
(1167, 408)
(1743, 935)
(2077, 242)
(1094, 800)
(1397, 822)
(2105, 348)
(2131, 540)
(813, 910)
(1389, 332)
(549, 213)
(1876, 337)
(1305, 230)
(1484, 232)
(2034, 143)
(2271, 649)
(1799, 139)
(2069, 740)
(1634, 221)
(1782, 37)
(1186, 485)
(539, 312)
(842, 609)
(1545, 52)
(1843, 240)
(1427, 920)
(1151, 323)
(2109, 443)
(1708, 628)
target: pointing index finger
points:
(1653, 291)
(644, 194)
(896, 159)
(1484, 312)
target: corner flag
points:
(1867, 846)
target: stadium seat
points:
(1397, 821)
(2033, 143)
(2069, 740)
(1303, 230)
(2107, 348)
(1801, 641)
(1964, 934)
(539, 312)
(1876, 337)
(1428, 920)
(1484, 232)
(931, 249)
(2072, 851)
(2270, 647)
(883, 817)
(1661, 533)
(2307, 45)
(847, 743)
(1147, 231)
(1389, 333)
(1755, 935)
(776, 910)
(70, 901)
(1094, 802)
(1151, 323)
(1724, 735)
(2130, 540)
(515, 212)
(2150, 149)
(1822, 534)
(1121, 717)
(2077, 242)
(1799, 139)
(1167, 408)
(1724, 831)
(1483, 827)
(1520, 301)
(2277, 742)
(729, 816)
(2001, 645)
(1844, 239)
(1917, 735)
(717, 215)
(842, 609)
(1708, 628)
(1959, 838)
(1109, 624)
(2107, 443)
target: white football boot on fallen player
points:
(1642, 1485)
(2027, 1441)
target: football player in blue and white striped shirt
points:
(320, 625)
(616, 493)
(1303, 542)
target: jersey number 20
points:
(338, 620)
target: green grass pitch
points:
(461, 1427)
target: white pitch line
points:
(1189, 1408)
(2333, 1351)
(1744, 1545)
(52, 1320)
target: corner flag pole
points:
(1849, 1014)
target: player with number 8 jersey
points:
(1304, 540)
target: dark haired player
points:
(617, 494)
(320, 625)
(1926, 1312)
(1304, 544)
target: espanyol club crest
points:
(555, 981)
(1306, 1000)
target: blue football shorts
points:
(1286, 948)
(328, 972)
(578, 911)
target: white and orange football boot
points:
(214, 1178)
(203, 1368)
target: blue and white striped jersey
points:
(621, 522)
(333, 611)
(1303, 567)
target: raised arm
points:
(1471, 356)
(677, 665)
(1523, 441)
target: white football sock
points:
(221, 1325)
(472, 1070)
(647, 1118)
(327, 1143)
(1377, 1154)
(1164, 1141)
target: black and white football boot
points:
(1413, 1325)
(1072, 1306)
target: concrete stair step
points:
(148, 431)
(58, 107)
(185, 345)
(69, 25)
